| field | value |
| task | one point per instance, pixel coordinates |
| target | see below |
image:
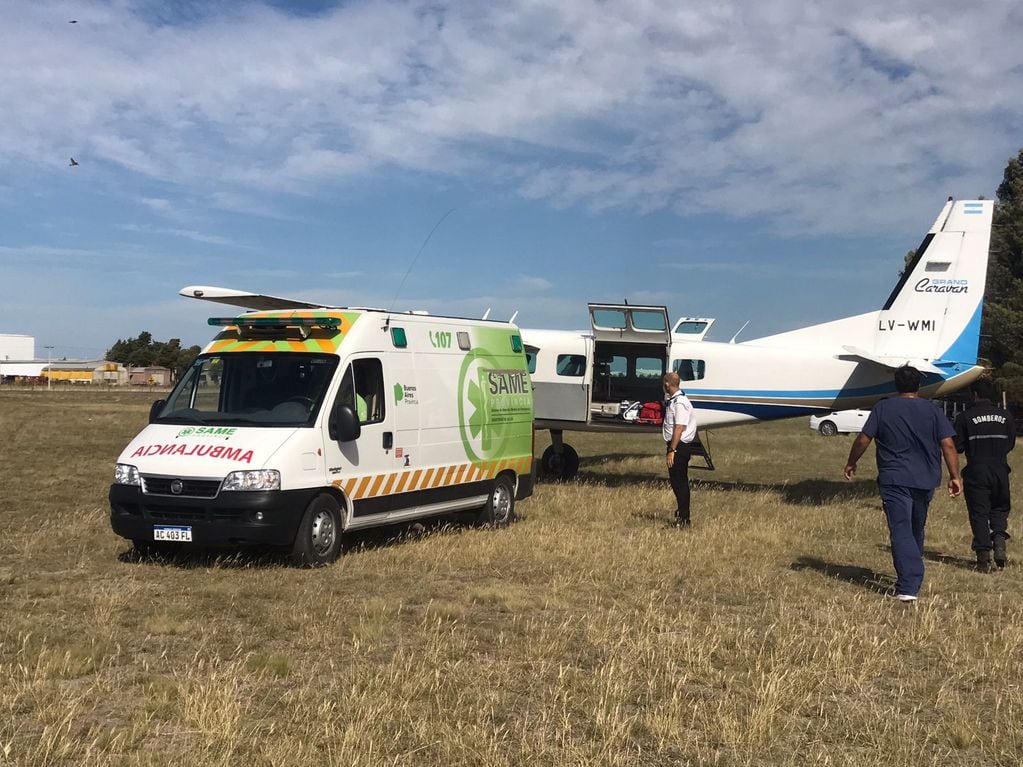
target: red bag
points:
(651, 412)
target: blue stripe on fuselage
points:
(761, 411)
(863, 391)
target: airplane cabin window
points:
(571, 365)
(689, 370)
(643, 319)
(691, 328)
(649, 367)
(613, 319)
(531, 361)
(618, 367)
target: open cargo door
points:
(631, 345)
(622, 323)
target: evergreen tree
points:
(143, 351)
(1002, 330)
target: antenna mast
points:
(416, 258)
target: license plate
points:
(171, 533)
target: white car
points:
(831, 424)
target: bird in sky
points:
(73, 163)
(73, 21)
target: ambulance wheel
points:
(499, 510)
(318, 540)
(827, 429)
(563, 466)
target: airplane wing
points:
(253, 301)
(924, 366)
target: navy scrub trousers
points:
(906, 510)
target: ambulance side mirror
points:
(155, 408)
(344, 425)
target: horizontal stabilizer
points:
(244, 299)
(892, 362)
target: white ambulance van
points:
(294, 426)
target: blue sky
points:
(769, 163)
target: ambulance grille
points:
(190, 488)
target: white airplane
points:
(592, 380)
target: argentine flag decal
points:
(973, 208)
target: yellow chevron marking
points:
(416, 478)
(449, 475)
(377, 482)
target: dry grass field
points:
(589, 633)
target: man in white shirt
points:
(679, 430)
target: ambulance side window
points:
(362, 389)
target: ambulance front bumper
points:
(268, 517)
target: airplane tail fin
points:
(934, 312)
(932, 318)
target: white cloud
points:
(531, 283)
(821, 118)
(188, 234)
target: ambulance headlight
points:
(257, 479)
(125, 474)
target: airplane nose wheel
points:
(559, 466)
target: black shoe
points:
(681, 523)
(984, 561)
(1000, 550)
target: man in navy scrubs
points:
(912, 437)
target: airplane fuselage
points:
(731, 384)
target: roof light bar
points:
(301, 322)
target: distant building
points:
(14, 347)
(64, 371)
(151, 376)
(100, 372)
(84, 372)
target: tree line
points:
(143, 351)
(1002, 326)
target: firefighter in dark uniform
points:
(986, 433)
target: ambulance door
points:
(364, 468)
(403, 396)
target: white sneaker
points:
(905, 597)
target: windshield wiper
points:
(241, 419)
(184, 417)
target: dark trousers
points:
(906, 511)
(986, 487)
(678, 475)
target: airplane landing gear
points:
(559, 461)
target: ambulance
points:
(294, 426)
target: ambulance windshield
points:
(251, 388)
